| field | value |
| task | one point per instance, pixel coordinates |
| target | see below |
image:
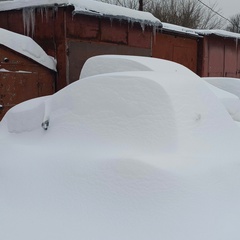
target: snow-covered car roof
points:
(27, 47)
(122, 63)
(89, 7)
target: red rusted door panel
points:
(179, 49)
(238, 60)
(16, 87)
(230, 68)
(216, 57)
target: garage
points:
(26, 71)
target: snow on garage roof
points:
(218, 32)
(27, 47)
(89, 7)
(179, 29)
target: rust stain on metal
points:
(20, 78)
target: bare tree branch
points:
(234, 26)
(187, 13)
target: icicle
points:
(236, 43)
(132, 23)
(32, 20)
(111, 21)
(154, 33)
(120, 21)
(28, 20)
(55, 8)
(143, 26)
(40, 11)
(46, 14)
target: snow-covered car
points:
(227, 93)
(132, 155)
(228, 84)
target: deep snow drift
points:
(132, 155)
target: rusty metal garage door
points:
(79, 52)
(179, 49)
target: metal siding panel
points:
(16, 88)
(139, 38)
(22, 79)
(162, 46)
(81, 26)
(216, 57)
(176, 48)
(238, 60)
(114, 32)
(230, 69)
(15, 21)
(204, 58)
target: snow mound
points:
(229, 100)
(133, 155)
(26, 116)
(127, 112)
(231, 85)
(146, 112)
(27, 47)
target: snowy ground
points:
(146, 154)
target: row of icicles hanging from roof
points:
(29, 17)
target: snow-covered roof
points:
(218, 32)
(27, 47)
(89, 7)
(179, 29)
(199, 32)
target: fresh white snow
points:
(218, 32)
(134, 155)
(120, 63)
(89, 7)
(27, 47)
(199, 32)
(179, 29)
(231, 85)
